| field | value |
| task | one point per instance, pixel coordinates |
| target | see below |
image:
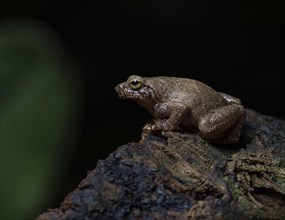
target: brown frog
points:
(180, 102)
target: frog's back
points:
(172, 84)
(196, 91)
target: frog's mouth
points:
(122, 92)
(121, 96)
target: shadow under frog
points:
(176, 102)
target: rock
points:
(181, 176)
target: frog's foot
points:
(149, 128)
(222, 125)
(159, 125)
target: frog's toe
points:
(146, 128)
(149, 127)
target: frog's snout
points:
(120, 91)
(118, 88)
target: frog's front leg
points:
(223, 124)
(168, 116)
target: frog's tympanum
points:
(180, 102)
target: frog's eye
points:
(136, 84)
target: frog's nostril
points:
(119, 88)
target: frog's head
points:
(135, 88)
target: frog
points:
(177, 104)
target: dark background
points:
(234, 46)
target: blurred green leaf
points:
(38, 105)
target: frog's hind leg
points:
(223, 124)
(232, 135)
(230, 99)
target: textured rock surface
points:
(181, 176)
